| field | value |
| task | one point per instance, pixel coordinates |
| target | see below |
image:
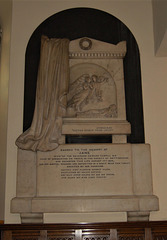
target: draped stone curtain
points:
(52, 86)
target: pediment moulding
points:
(89, 48)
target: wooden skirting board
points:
(87, 231)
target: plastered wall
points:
(137, 15)
(160, 27)
(5, 24)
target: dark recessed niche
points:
(88, 139)
(80, 22)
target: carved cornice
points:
(105, 226)
(86, 231)
(96, 55)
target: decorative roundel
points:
(85, 43)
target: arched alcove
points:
(80, 22)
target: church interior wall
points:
(160, 27)
(5, 25)
(26, 17)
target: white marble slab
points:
(86, 178)
(26, 174)
(96, 87)
(85, 170)
(80, 126)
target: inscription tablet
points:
(85, 170)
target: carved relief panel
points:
(96, 88)
(92, 94)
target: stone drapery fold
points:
(45, 133)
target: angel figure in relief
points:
(85, 89)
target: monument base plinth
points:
(138, 216)
(137, 207)
(31, 218)
(87, 178)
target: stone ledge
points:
(80, 126)
(85, 204)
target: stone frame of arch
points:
(80, 22)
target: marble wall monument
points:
(80, 91)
